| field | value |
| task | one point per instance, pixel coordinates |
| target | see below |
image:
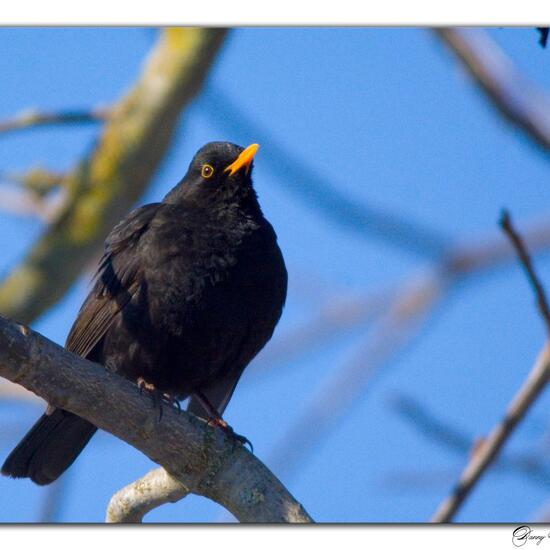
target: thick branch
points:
(105, 186)
(203, 459)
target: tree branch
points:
(525, 260)
(38, 181)
(105, 185)
(517, 99)
(489, 448)
(461, 443)
(32, 118)
(203, 459)
(135, 500)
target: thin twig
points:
(527, 264)
(38, 181)
(32, 118)
(489, 449)
(458, 441)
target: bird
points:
(186, 294)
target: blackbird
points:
(187, 292)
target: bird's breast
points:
(214, 277)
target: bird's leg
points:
(158, 396)
(215, 419)
(155, 394)
(172, 401)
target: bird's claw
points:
(226, 428)
(157, 396)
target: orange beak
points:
(244, 159)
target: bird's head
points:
(219, 171)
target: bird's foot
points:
(158, 396)
(226, 428)
(144, 385)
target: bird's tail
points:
(49, 447)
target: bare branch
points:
(38, 181)
(525, 260)
(154, 489)
(518, 100)
(489, 449)
(492, 446)
(461, 443)
(31, 118)
(204, 459)
(103, 187)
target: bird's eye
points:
(207, 171)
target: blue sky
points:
(388, 117)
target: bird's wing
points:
(117, 280)
(218, 395)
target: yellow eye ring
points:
(207, 171)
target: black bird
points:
(187, 292)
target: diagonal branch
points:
(517, 99)
(461, 443)
(204, 460)
(104, 186)
(490, 448)
(527, 264)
